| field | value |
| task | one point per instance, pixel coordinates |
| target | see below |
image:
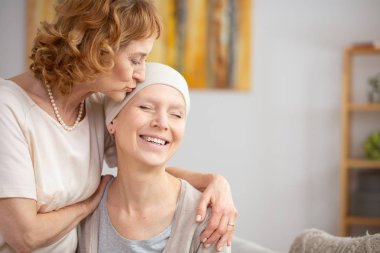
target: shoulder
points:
(189, 201)
(189, 195)
(12, 93)
(14, 102)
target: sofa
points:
(316, 241)
(240, 245)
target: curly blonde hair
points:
(86, 35)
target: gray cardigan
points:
(185, 230)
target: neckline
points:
(172, 225)
(43, 112)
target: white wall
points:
(12, 37)
(279, 144)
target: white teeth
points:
(155, 140)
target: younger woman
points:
(146, 209)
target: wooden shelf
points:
(363, 164)
(364, 107)
(364, 50)
(358, 220)
(354, 163)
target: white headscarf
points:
(156, 73)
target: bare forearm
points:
(25, 231)
(198, 180)
(58, 223)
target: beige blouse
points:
(42, 161)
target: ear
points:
(111, 127)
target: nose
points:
(160, 121)
(139, 72)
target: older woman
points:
(53, 139)
(146, 209)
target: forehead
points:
(160, 93)
(142, 47)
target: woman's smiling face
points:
(150, 128)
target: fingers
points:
(231, 226)
(202, 206)
(223, 235)
(208, 237)
(92, 202)
(105, 179)
(221, 226)
(218, 234)
(102, 185)
(222, 242)
(220, 231)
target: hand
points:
(25, 229)
(221, 225)
(92, 202)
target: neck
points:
(138, 189)
(68, 104)
(37, 91)
(68, 107)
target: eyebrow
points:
(177, 106)
(143, 54)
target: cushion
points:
(317, 241)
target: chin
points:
(154, 162)
(116, 96)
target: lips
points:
(154, 140)
(129, 90)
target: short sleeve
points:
(16, 169)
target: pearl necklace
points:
(58, 116)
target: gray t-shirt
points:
(111, 241)
(185, 234)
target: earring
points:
(110, 128)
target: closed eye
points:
(145, 107)
(135, 62)
(177, 115)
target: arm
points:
(25, 230)
(198, 180)
(217, 194)
(20, 225)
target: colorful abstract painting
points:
(209, 42)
